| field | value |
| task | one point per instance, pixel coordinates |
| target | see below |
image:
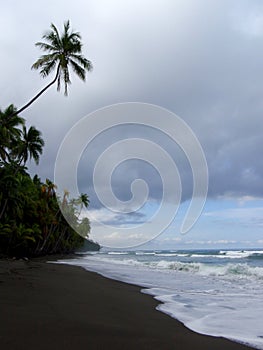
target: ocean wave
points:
(145, 253)
(234, 254)
(241, 270)
(172, 254)
(228, 271)
(206, 256)
(168, 254)
(222, 254)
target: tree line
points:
(31, 222)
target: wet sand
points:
(51, 306)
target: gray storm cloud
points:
(203, 60)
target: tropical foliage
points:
(31, 222)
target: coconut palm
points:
(83, 200)
(10, 131)
(63, 52)
(50, 188)
(30, 145)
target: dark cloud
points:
(202, 60)
(134, 218)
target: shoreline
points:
(53, 306)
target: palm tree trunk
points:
(39, 94)
(3, 209)
(61, 236)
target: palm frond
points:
(54, 35)
(83, 61)
(81, 73)
(30, 146)
(66, 26)
(44, 59)
(46, 47)
(48, 67)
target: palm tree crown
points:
(30, 146)
(10, 131)
(63, 53)
(83, 200)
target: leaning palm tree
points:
(64, 51)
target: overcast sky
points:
(201, 59)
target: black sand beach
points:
(49, 306)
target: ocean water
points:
(214, 292)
